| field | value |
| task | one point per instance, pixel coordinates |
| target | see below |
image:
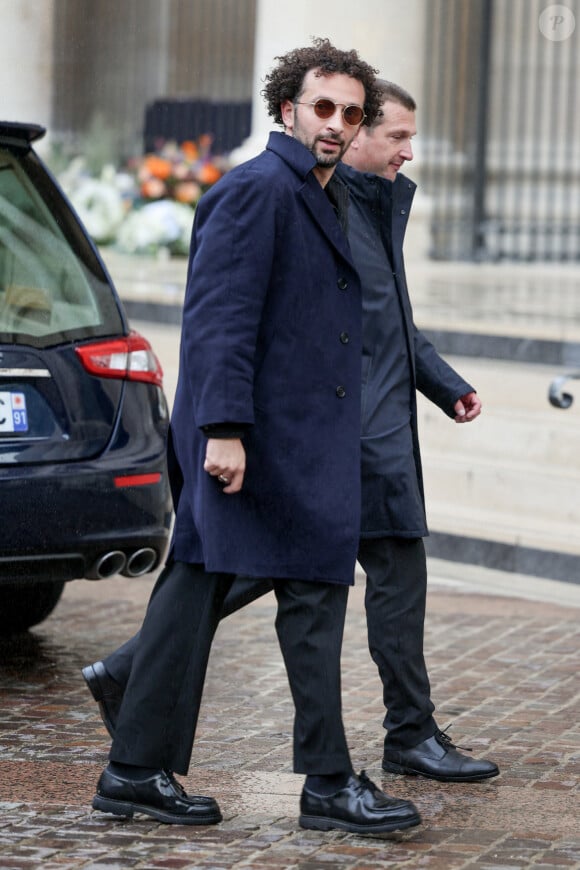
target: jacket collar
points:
(402, 188)
(293, 152)
(397, 196)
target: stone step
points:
(513, 475)
(551, 438)
(537, 300)
(515, 529)
(508, 495)
(517, 423)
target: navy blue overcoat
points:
(271, 338)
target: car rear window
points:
(52, 285)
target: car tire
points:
(23, 605)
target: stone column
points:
(27, 65)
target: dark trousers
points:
(161, 702)
(243, 591)
(395, 599)
(395, 604)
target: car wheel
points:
(23, 605)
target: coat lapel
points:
(299, 158)
(322, 212)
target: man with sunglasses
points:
(397, 361)
(264, 457)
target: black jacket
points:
(392, 490)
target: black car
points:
(83, 416)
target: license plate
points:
(13, 416)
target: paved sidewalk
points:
(504, 670)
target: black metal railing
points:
(501, 132)
(229, 124)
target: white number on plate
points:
(13, 416)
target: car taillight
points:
(126, 480)
(130, 358)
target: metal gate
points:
(501, 117)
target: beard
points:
(323, 159)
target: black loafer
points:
(360, 807)
(159, 796)
(438, 758)
(106, 692)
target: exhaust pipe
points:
(140, 562)
(106, 565)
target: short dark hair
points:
(392, 93)
(286, 80)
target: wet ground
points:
(504, 670)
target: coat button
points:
(342, 283)
(340, 392)
(344, 337)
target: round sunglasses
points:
(352, 115)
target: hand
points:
(467, 408)
(226, 458)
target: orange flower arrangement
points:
(208, 174)
(157, 166)
(179, 171)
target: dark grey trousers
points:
(395, 599)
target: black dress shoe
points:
(438, 758)
(107, 693)
(360, 807)
(159, 796)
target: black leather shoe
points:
(159, 796)
(106, 692)
(438, 758)
(360, 807)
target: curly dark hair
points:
(286, 80)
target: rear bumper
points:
(59, 523)
(101, 560)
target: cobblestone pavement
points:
(503, 670)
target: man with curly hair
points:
(264, 457)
